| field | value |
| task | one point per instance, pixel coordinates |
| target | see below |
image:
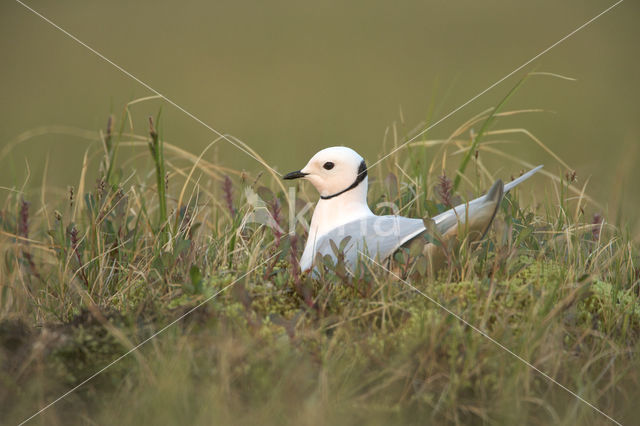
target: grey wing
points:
(376, 236)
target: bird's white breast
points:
(328, 215)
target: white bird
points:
(340, 176)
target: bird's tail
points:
(491, 203)
(479, 213)
(521, 179)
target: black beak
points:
(295, 175)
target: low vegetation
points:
(87, 277)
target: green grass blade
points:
(485, 126)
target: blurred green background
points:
(290, 78)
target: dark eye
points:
(328, 165)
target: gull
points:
(340, 175)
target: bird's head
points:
(333, 171)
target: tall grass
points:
(86, 278)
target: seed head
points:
(597, 222)
(23, 224)
(227, 188)
(445, 189)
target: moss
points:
(81, 348)
(611, 310)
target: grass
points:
(87, 277)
